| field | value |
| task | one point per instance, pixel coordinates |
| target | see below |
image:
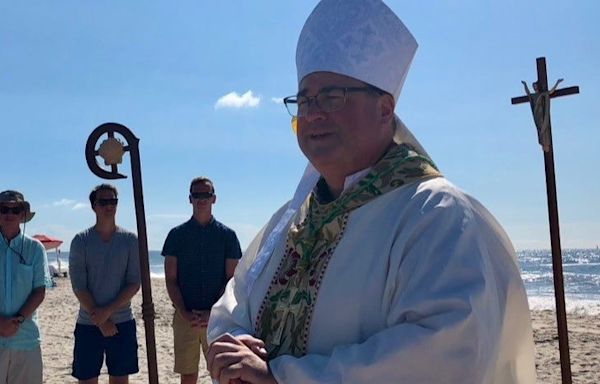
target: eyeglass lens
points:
(13, 210)
(105, 202)
(202, 195)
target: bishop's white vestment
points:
(422, 288)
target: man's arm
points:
(233, 254)
(78, 275)
(107, 327)
(9, 325)
(101, 314)
(85, 299)
(33, 301)
(230, 265)
(175, 293)
(41, 278)
(171, 282)
(132, 285)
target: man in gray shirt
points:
(105, 275)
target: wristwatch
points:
(20, 318)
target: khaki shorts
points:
(188, 341)
(21, 366)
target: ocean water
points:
(581, 269)
(581, 273)
(157, 269)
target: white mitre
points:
(362, 39)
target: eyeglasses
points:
(105, 202)
(330, 99)
(201, 195)
(14, 210)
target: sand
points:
(58, 313)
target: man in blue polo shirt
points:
(200, 257)
(23, 280)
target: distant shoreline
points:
(581, 270)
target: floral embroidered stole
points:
(283, 321)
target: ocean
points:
(581, 272)
(581, 269)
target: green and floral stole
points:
(283, 321)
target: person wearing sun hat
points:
(24, 277)
(378, 269)
(14, 197)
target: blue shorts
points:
(90, 347)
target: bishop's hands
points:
(241, 359)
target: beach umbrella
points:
(48, 242)
(539, 100)
(52, 243)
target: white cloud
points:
(63, 203)
(235, 100)
(69, 204)
(79, 205)
(277, 100)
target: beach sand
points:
(58, 313)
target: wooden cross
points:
(540, 106)
(540, 102)
(543, 81)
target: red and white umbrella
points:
(48, 242)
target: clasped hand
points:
(101, 318)
(238, 360)
(196, 318)
(9, 326)
(100, 315)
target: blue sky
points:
(199, 82)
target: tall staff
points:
(112, 151)
(540, 107)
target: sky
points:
(200, 84)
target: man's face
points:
(11, 215)
(105, 205)
(347, 140)
(202, 197)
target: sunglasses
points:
(202, 195)
(105, 202)
(13, 210)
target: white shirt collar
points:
(353, 178)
